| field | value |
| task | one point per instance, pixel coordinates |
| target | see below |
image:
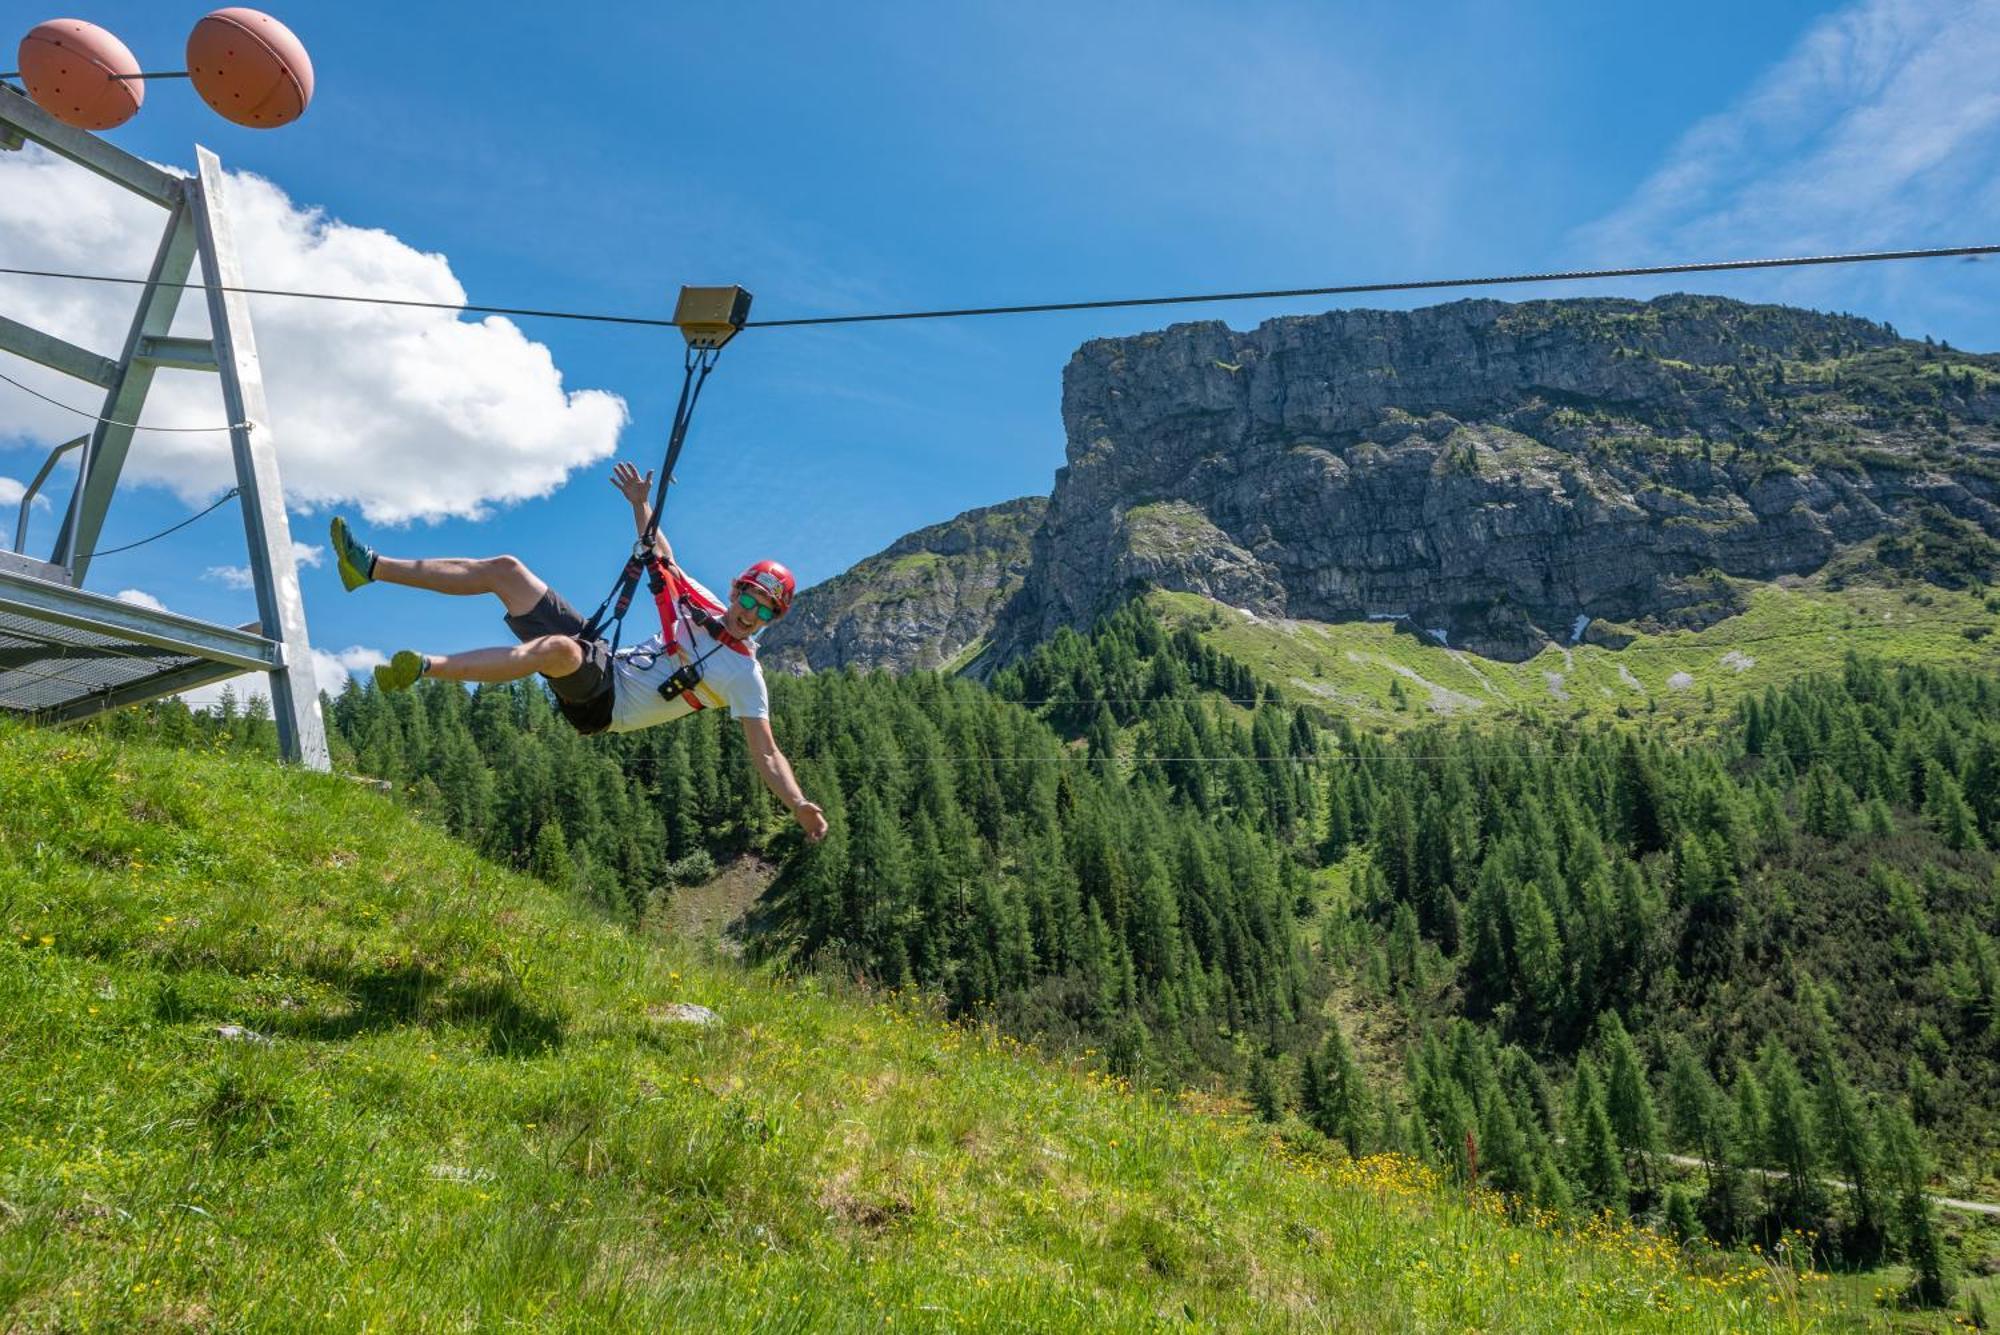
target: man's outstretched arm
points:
(776, 772)
(639, 491)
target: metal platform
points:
(67, 653)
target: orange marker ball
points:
(67, 65)
(250, 68)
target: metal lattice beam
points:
(86, 149)
(52, 352)
(273, 566)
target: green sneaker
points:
(401, 672)
(356, 562)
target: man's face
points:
(743, 622)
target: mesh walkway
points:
(66, 654)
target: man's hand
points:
(811, 819)
(636, 489)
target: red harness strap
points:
(675, 597)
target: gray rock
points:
(1495, 471)
(682, 1012)
(1501, 473)
(921, 603)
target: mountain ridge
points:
(1505, 476)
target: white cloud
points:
(331, 670)
(406, 414)
(308, 555)
(1879, 129)
(140, 598)
(11, 492)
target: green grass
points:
(1350, 667)
(913, 562)
(469, 1114)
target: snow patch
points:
(1738, 660)
(1681, 681)
(1439, 634)
(1578, 626)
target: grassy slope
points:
(1784, 633)
(470, 1113)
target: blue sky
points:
(902, 155)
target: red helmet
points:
(773, 580)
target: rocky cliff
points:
(921, 603)
(1499, 475)
(1503, 475)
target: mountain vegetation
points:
(1550, 752)
(1544, 960)
(280, 1057)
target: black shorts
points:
(584, 696)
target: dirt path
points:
(1948, 1202)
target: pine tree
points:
(1595, 1168)
(1538, 957)
(1264, 1099)
(1344, 1098)
(1339, 821)
(1680, 1216)
(1628, 1098)
(1396, 845)
(1405, 948)
(551, 863)
(1505, 1159)
(1642, 800)
(1948, 812)
(1828, 804)
(1791, 1137)
(1312, 1093)
(1916, 1217)
(1852, 1152)
(1692, 1105)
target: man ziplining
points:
(704, 656)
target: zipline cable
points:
(1116, 303)
(1416, 285)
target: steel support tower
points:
(67, 653)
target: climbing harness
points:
(707, 317)
(686, 677)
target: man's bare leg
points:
(550, 655)
(517, 587)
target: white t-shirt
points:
(730, 675)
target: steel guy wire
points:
(110, 421)
(219, 501)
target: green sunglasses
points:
(749, 601)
